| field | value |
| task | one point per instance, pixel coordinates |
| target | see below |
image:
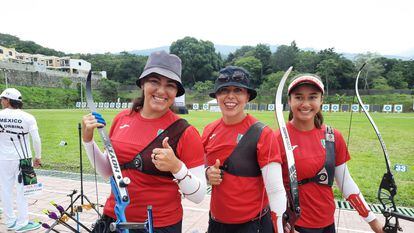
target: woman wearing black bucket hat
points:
(320, 157)
(243, 162)
(156, 137)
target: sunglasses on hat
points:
(236, 76)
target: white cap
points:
(306, 78)
(12, 93)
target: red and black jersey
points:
(130, 133)
(237, 199)
(316, 201)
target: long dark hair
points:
(16, 104)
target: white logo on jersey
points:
(123, 126)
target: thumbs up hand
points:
(164, 158)
(214, 174)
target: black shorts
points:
(259, 225)
(328, 229)
(102, 226)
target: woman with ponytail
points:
(320, 154)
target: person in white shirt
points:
(15, 126)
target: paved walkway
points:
(195, 215)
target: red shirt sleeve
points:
(190, 148)
(267, 148)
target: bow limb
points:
(293, 197)
(118, 182)
(388, 188)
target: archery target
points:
(387, 108)
(398, 108)
(335, 107)
(355, 107)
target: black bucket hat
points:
(234, 76)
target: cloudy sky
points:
(96, 26)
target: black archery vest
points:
(143, 161)
(243, 160)
(326, 175)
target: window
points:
(10, 53)
(1, 51)
(80, 64)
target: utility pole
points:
(81, 93)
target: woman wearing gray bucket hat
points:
(243, 161)
(320, 156)
(161, 153)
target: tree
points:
(109, 89)
(254, 66)
(373, 70)
(326, 70)
(199, 59)
(307, 61)
(396, 80)
(202, 89)
(267, 91)
(66, 82)
(284, 57)
(380, 83)
(244, 51)
(263, 53)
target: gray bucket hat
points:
(165, 64)
(233, 76)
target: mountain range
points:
(225, 50)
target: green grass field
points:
(367, 164)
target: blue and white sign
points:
(124, 105)
(400, 168)
(195, 106)
(387, 108)
(118, 105)
(398, 108)
(325, 107)
(271, 107)
(335, 107)
(129, 105)
(100, 105)
(205, 107)
(366, 107)
(83, 104)
(78, 104)
(106, 105)
(355, 107)
(112, 105)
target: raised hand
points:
(164, 158)
(89, 123)
(214, 174)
